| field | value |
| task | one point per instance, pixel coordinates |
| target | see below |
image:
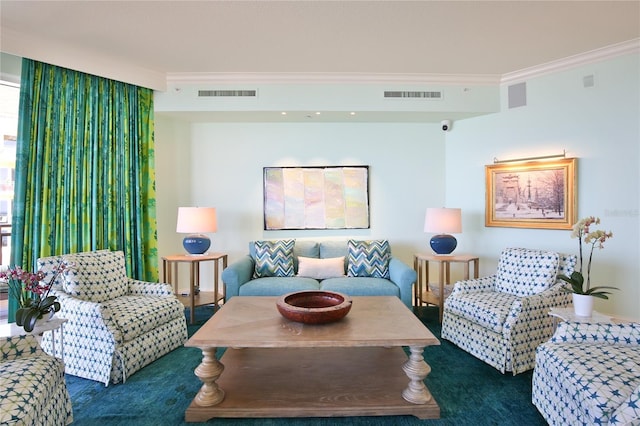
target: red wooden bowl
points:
(314, 306)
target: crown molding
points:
(331, 78)
(597, 55)
(26, 46)
(630, 46)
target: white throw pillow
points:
(321, 269)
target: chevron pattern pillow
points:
(273, 258)
(368, 258)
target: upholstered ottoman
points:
(32, 387)
(589, 374)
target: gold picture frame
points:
(535, 194)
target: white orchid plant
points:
(582, 231)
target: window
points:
(9, 104)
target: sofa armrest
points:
(15, 347)
(474, 284)
(143, 288)
(404, 277)
(237, 274)
(617, 334)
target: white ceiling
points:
(151, 43)
(337, 37)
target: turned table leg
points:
(416, 369)
(208, 372)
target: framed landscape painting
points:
(316, 197)
(540, 194)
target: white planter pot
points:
(582, 305)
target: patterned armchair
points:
(589, 374)
(117, 325)
(502, 318)
(32, 387)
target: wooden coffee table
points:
(274, 367)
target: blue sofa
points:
(240, 278)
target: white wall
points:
(406, 174)
(173, 184)
(598, 125)
(414, 166)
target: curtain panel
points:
(85, 177)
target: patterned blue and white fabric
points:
(32, 386)
(368, 258)
(107, 341)
(566, 264)
(589, 374)
(273, 258)
(488, 309)
(96, 277)
(524, 272)
(502, 328)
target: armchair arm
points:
(237, 274)
(19, 346)
(526, 309)
(404, 277)
(93, 331)
(618, 334)
(83, 313)
(474, 285)
(143, 288)
(529, 324)
(541, 303)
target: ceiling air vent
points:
(227, 93)
(396, 94)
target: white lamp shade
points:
(443, 221)
(196, 220)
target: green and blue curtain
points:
(85, 177)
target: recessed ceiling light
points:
(352, 113)
(283, 113)
(317, 112)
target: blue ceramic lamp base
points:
(443, 244)
(196, 244)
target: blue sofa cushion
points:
(275, 286)
(333, 249)
(273, 258)
(368, 258)
(361, 286)
(304, 248)
(338, 248)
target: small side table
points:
(54, 325)
(170, 276)
(422, 293)
(568, 314)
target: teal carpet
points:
(468, 391)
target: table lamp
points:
(195, 221)
(443, 221)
